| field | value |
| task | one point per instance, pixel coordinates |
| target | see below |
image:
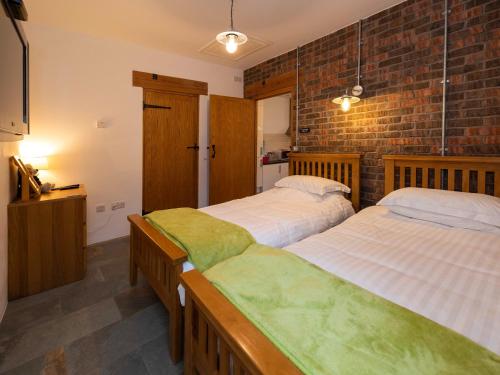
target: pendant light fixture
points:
(232, 38)
(347, 99)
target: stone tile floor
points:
(99, 325)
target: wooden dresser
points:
(47, 240)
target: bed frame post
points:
(188, 336)
(355, 189)
(134, 244)
(176, 317)
(389, 176)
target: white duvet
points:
(281, 216)
(449, 275)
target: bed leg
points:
(133, 265)
(188, 339)
(175, 318)
(175, 333)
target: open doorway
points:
(273, 140)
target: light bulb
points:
(346, 105)
(231, 45)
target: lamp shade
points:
(40, 162)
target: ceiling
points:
(186, 26)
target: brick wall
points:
(402, 68)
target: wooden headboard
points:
(343, 168)
(475, 174)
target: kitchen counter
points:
(279, 161)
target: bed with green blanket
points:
(206, 239)
(326, 325)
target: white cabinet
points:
(273, 173)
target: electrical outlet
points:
(117, 205)
(100, 208)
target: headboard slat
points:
(425, 177)
(451, 179)
(440, 172)
(330, 166)
(481, 181)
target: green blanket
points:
(326, 325)
(206, 240)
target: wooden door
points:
(170, 136)
(232, 148)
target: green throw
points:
(327, 325)
(206, 240)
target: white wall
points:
(276, 114)
(77, 80)
(7, 149)
(276, 121)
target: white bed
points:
(281, 216)
(447, 274)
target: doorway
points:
(273, 140)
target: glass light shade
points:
(346, 104)
(345, 101)
(232, 40)
(231, 45)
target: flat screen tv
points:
(14, 69)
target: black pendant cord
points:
(232, 5)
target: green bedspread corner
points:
(206, 239)
(326, 325)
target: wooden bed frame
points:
(220, 340)
(160, 260)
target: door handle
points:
(194, 147)
(213, 151)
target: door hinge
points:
(153, 106)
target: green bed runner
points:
(206, 239)
(326, 325)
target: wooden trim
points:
(344, 168)
(176, 85)
(439, 164)
(278, 85)
(215, 326)
(160, 260)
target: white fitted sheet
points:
(449, 275)
(281, 216)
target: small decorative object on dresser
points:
(47, 240)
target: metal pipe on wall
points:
(297, 102)
(445, 79)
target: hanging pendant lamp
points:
(347, 99)
(232, 38)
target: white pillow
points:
(451, 221)
(472, 206)
(312, 184)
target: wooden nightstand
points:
(47, 240)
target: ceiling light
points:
(231, 39)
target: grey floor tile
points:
(15, 322)
(131, 364)
(51, 363)
(33, 367)
(47, 336)
(157, 358)
(99, 325)
(104, 347)
(133, 300)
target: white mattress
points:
(449, 275)
(281, 216)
